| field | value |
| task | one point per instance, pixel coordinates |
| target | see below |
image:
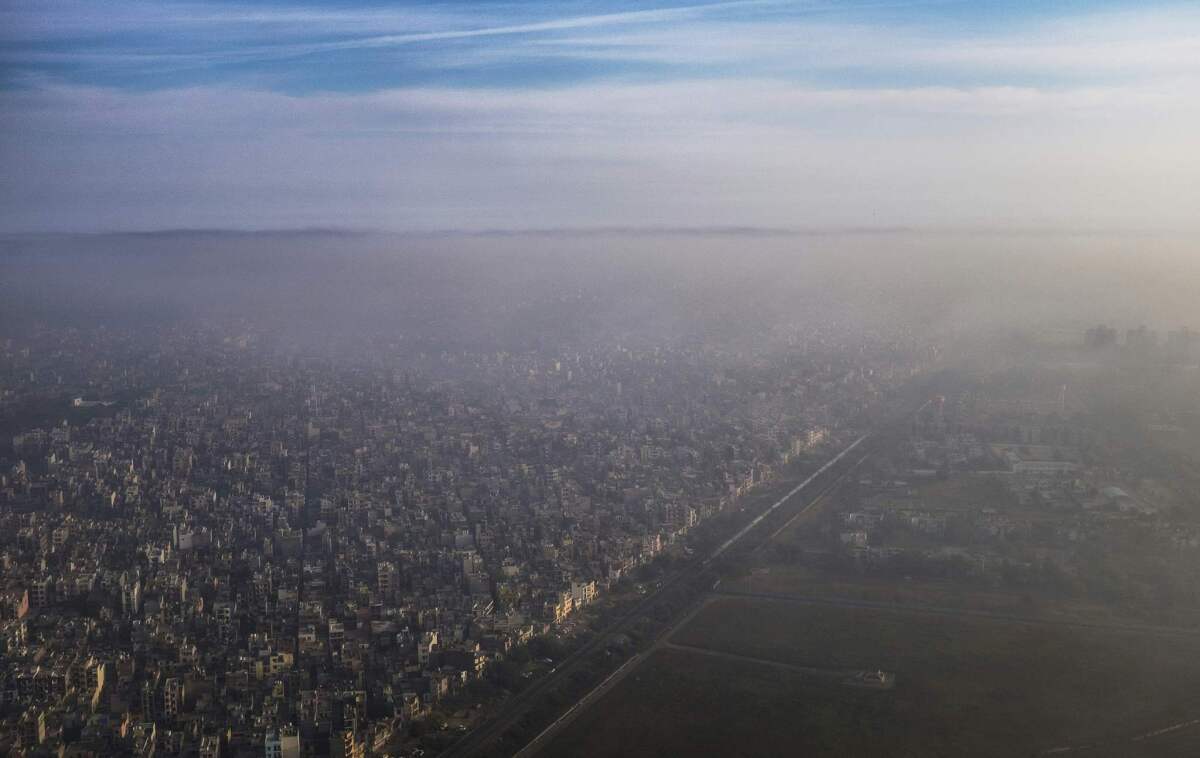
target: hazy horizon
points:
(960, 282)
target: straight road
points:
(698, 570)
(664, 637)
(518, 706)
(792, 493)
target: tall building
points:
(282, 743)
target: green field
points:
(964, 687)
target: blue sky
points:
(451, 115)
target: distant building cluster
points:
(1181, 345)
(1009, 486)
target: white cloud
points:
(1101, 46)
(771, 38)
(1112, 148)
(247, 33)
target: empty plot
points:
(965, 686)
(982, 679)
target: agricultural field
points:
(964, 686)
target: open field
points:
(680, 703)
(965, 686)
(978, 678)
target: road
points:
(519, 705)
(612, 680)
(511, 713)
(775, 506)
(664, 637)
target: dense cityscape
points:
(211, 545)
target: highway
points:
(512, 711)
(681, 620)
(794, 491)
